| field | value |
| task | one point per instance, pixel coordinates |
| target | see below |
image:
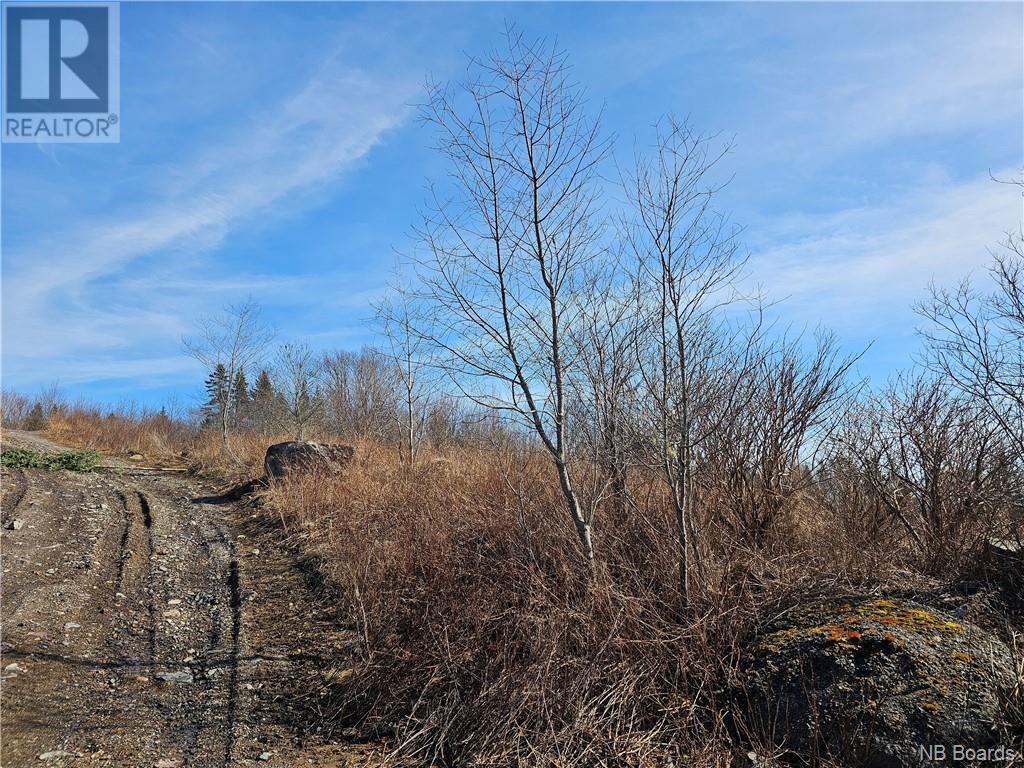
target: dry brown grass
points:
(487, 641)
(152, 435)
(160, 439)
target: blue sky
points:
(272, 150)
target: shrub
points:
(36, 419)
(487, 641)
(75, 461)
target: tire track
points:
(133, 575)
(123, 553)
(18, 494)
(235, 592)
(153, 634)
(223, 640)
(147, 524)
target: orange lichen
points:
(961, 656)
(893, 614)
(855, 619)
(844, 636)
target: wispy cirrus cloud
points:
(135, 275)
(903, 74)
(860, 270)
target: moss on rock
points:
(867, 680)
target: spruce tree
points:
(263, 401)
(241, 405)
(217, 392)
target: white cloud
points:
(151, 371)
(905, 74)
(861, 269)
(97, 286)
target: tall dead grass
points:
(158, 438)
(152, 435)
(487, 641)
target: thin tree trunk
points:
(683, 524)
(581, 523)
(410, 427)
(683, 546)
(224, 428)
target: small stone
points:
(168, 762)
(71, 625)
(181, 676)
(172, 614)
(175, 601)
(265, 755)
(14, 668)
(55, 754)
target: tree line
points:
(353, 395)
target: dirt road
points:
(145, 624)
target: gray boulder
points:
(869, 681)
(293, 457)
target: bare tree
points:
(977, 340)
(360, 393)
(441, 425)
(298, 372)
(15, 409)
(605, 341)
(508, 249)
(697, 362)
(235, 339)
(935, 460)
(403, 323)
(766, 454)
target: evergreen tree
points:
(162, 421)
(241, 404)
(217, 396)
(263, 401)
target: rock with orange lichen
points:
(868, 680)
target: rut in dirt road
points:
(144, 626)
